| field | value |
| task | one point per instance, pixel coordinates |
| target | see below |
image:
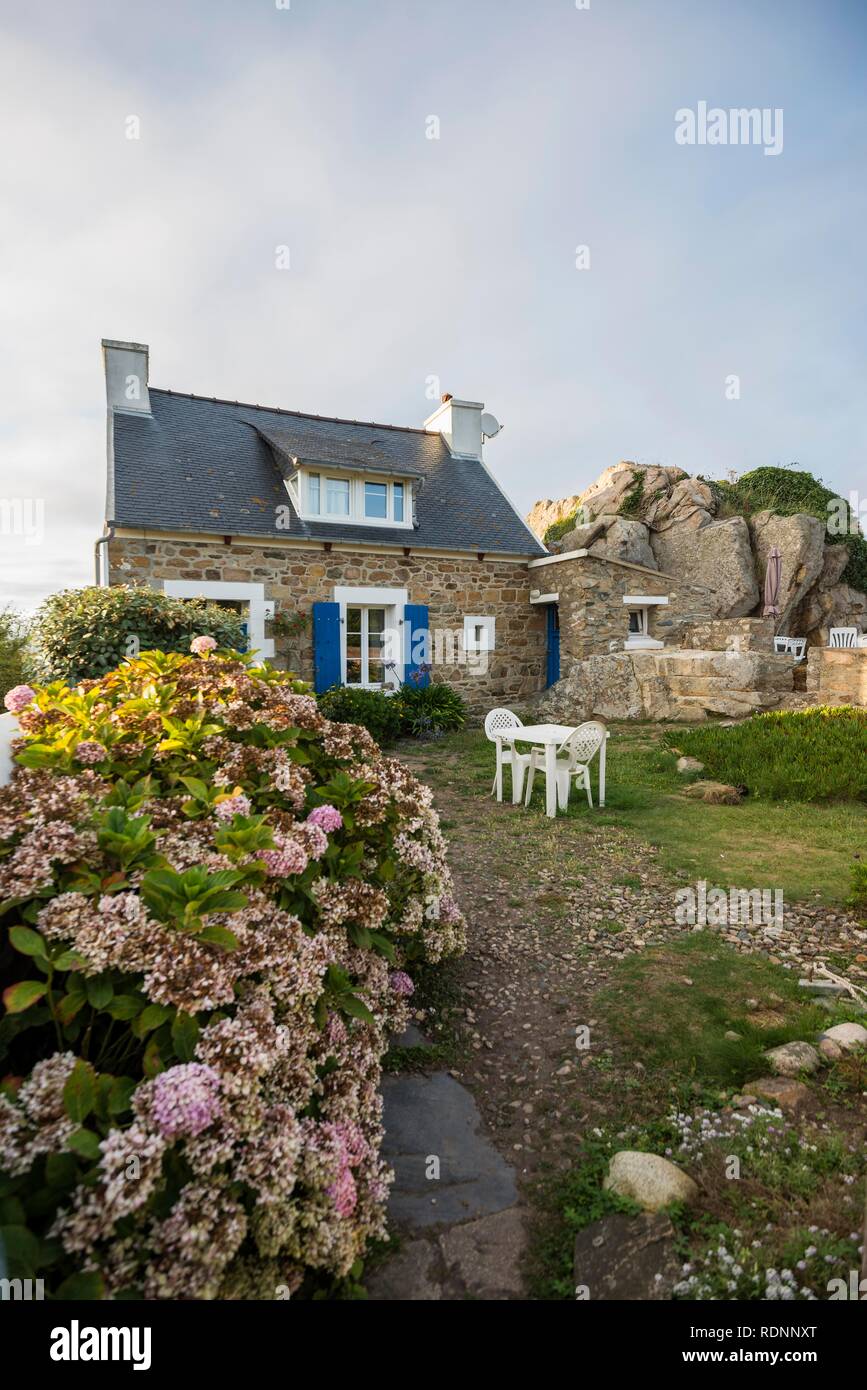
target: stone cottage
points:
(360, 553)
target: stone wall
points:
(731, 634)
(837, 675)
(593, 616)
(453, 587)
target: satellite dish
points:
(490, 425)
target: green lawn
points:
(803, 848)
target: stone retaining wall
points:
(837, 675)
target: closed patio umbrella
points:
(773, 581)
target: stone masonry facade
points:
(593, 616)
(452, 586)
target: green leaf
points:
(69, 1006)
(125, 1006)
(68, 960)
(81, 1288)
(219, 936)
(22, 1250)
(351, 1004)
(151, 1018)
(61, 1170)
(85, 1143)
(152, 1062)
(196, 788)
(27, 941)
(120, 1095)
(185, 1035)
(19, 997)
(99, 990)
(384, 946)
(79, 1093)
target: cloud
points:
(413, 257)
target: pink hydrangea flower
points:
(328, 818)
(202, 645)
(401, 983)
(343, 1192)
(288, 858)
(232, 806)
(313, 838)
(186, 1099)
(18, 698)
(90, 751)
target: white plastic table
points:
(551, 736)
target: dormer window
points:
(362, 500)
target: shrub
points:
(375, 711)
(431, 710)
(787, 491)
(13, 650)
(800, 755)
(81, 634)
(212, 897)
(558, 529)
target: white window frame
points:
(259, 609)
(356, 515)
(643, 616)
(365, 609)
(393, 601)
(479, 634)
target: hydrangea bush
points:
(212, 901)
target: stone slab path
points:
(454, 1203)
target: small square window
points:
(638, 622)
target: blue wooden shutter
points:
(416, 642)
(326, 646)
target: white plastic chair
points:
(499, 724)
(843, 637)
(791, 646)
(798, 647)
(573, 761)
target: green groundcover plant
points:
(213, 899)
(81, 634)
(796, 755)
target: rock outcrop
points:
(665, 520)
(718, 556)
(669, 683)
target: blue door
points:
(553, 664)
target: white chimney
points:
(126, 377)
(460, 424)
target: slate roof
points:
(208, 465)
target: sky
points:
(716, 319)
